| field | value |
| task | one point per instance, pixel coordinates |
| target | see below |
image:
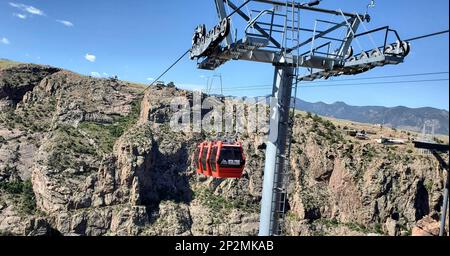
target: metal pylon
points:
(267, 38)
(281, 129)
(274, 167)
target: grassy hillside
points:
(4, 63)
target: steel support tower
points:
(436, 150)
(272, 35)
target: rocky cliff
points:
(85, 156)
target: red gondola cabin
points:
(219, 159)
(196, 158)
(204, 156)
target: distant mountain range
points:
(397, 117)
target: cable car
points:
(196, 158)
(199, 159)
(219, 159)
(204, 156)
(227, 160)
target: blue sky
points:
(138, 39)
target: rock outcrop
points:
(427, 226)
(15, 82)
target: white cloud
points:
(27, 8)
(150, 79)
(4, 40)
(96, 74)
(34, 10)
(65, 23)
(90, 57)
(20, 16)
(99, 75)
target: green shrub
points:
(219, 204)
(429, 185)
(369, 154)
(329, 125)
(27, 197)
(317, 118)
(116, 131)
(357, 227)
(23, 190)
(437, 140)
(12, 187)
(378, 228)
(314, 128)
(105, 135)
